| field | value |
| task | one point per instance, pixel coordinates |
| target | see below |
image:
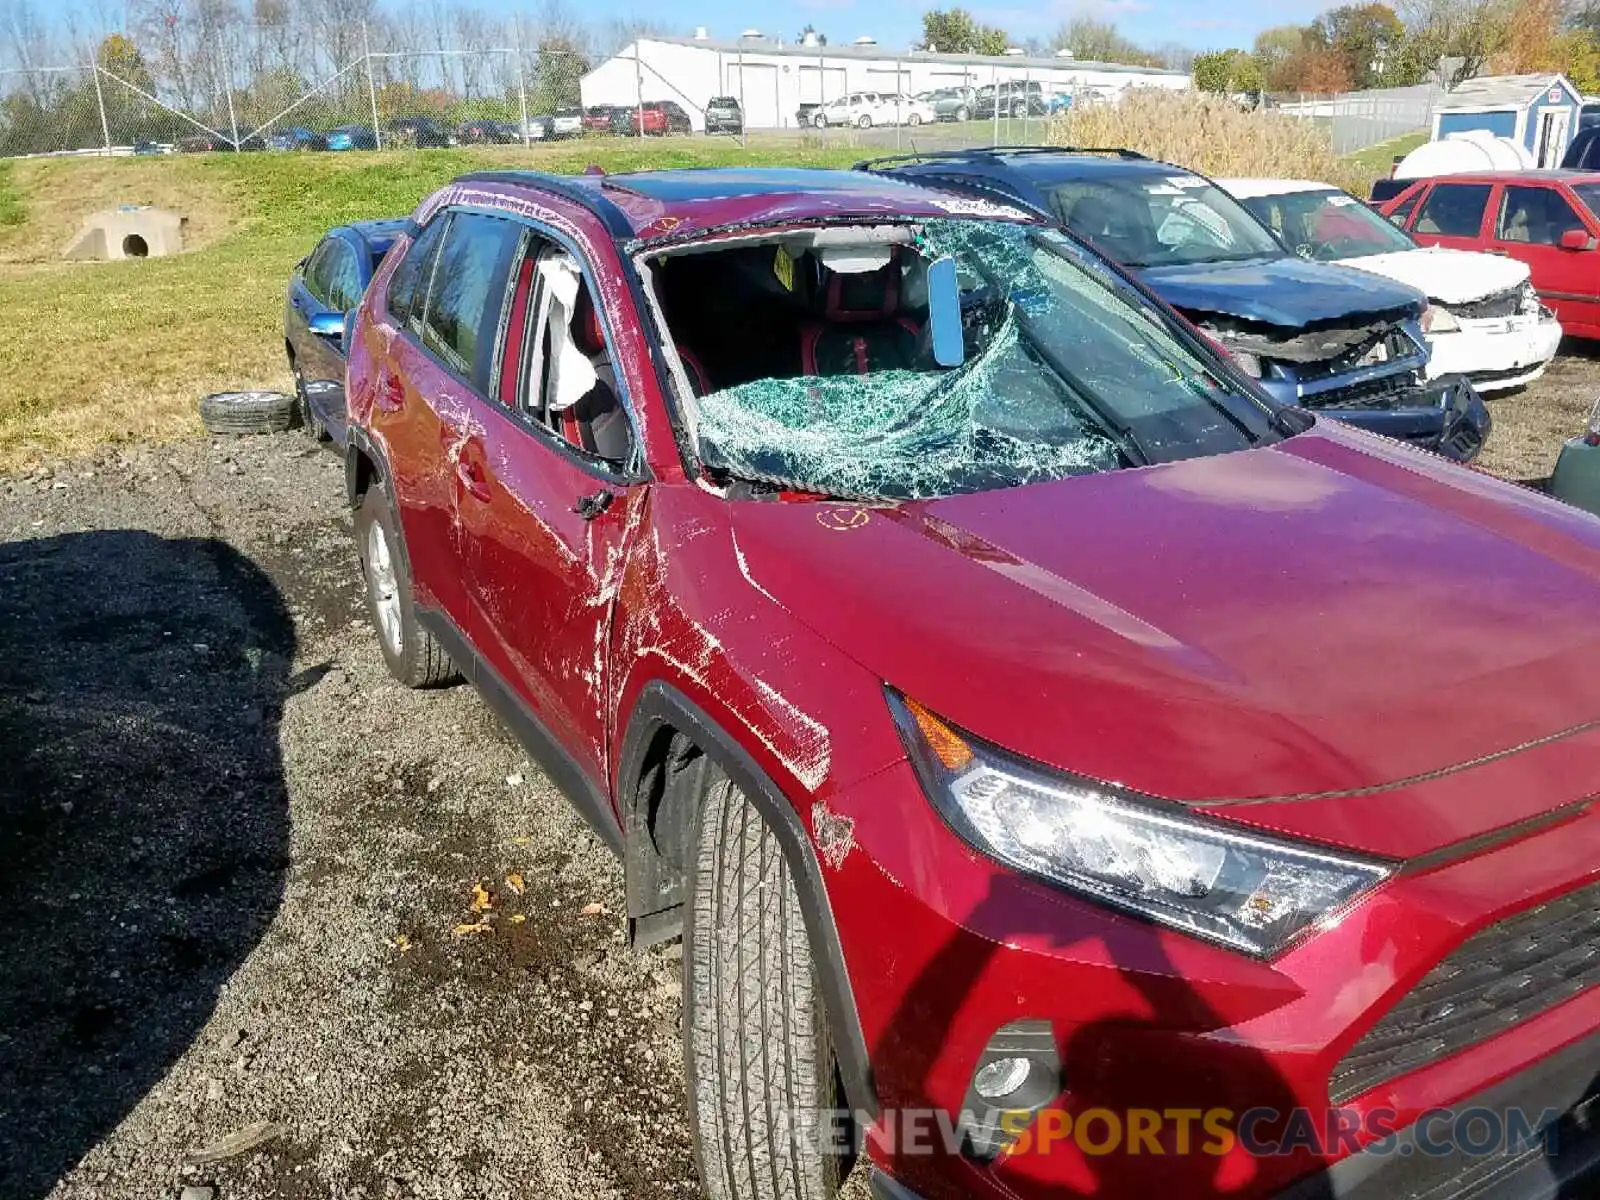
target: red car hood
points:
(1335, 636)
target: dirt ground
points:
(248, 880)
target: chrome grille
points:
(1503, 975)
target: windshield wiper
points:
(1127, 440)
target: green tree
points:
(1227, 72)
(1369, 37)
(1100, 41)
(955, 31)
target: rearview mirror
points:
(944, 313)
(1576, 239)
(327, 324)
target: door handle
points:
(1500, 253)
(473, 478)
(391, 395)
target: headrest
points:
(867, 296)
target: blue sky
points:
(1203, 25)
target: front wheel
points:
(963, 113)
(864, 121)
(914, 119)
(759, 1058)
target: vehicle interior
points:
(798, 310)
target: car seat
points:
(1115, 228)
(863, 329)
(596, 422)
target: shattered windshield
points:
(1145, 219)
(1327, 225)
(809, 354)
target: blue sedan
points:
(325, 285)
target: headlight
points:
(1439, 320)
(1245, 890)
(1528, 298)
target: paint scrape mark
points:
(835, 835)
(811, 753)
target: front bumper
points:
(1147, 1021)
(1563, 1159)
(1444, 415)
(1496, 354)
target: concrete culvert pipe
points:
(134, 246)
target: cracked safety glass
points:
(810, 356)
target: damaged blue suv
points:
(1345, 342)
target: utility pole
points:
(522, 86)
(372, 90)
(638, 85)
(227, 87)
(100, 99)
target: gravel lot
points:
(247, 879)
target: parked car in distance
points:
(485, 132)
(907, 110)
(566, 123)
(835, 630)
(352, 137)
(805, 115)
(297, 137)
(201, 143)
(324, 287)
(1545, 219)
(1342, 341)
(597, 118)
(417, 133)
(723, 115)
(540, 128)
(950, 104)
(1484, 319)
(861, 109)
(1018, 98)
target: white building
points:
(774, 79)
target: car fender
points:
(660, 705)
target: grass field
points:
(118, 352)
(1374, 162)
(100, 353)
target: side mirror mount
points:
(944, 313)
(1576, 239)
(327, 324)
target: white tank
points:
(1472, 150)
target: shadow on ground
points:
(144, 822)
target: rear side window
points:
(319, 268)
(344, 278)
(1537, 216)
(459, 324)
(409, 281)
(1453, 210)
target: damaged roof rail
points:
(590, 198)
(873, 164)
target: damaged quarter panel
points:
(692, 613)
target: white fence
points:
(1356, 120)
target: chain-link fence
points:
(356, 88)
(1356, 120)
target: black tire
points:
(239, 413)
(864, 121)
(963, 114)
(410, 652)
(756, 1044)
(820, 121)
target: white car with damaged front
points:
(1484, 319)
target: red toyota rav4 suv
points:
(1070, 773)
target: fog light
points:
(1000, 1078)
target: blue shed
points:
(1540, 111)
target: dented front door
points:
(543, 537)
